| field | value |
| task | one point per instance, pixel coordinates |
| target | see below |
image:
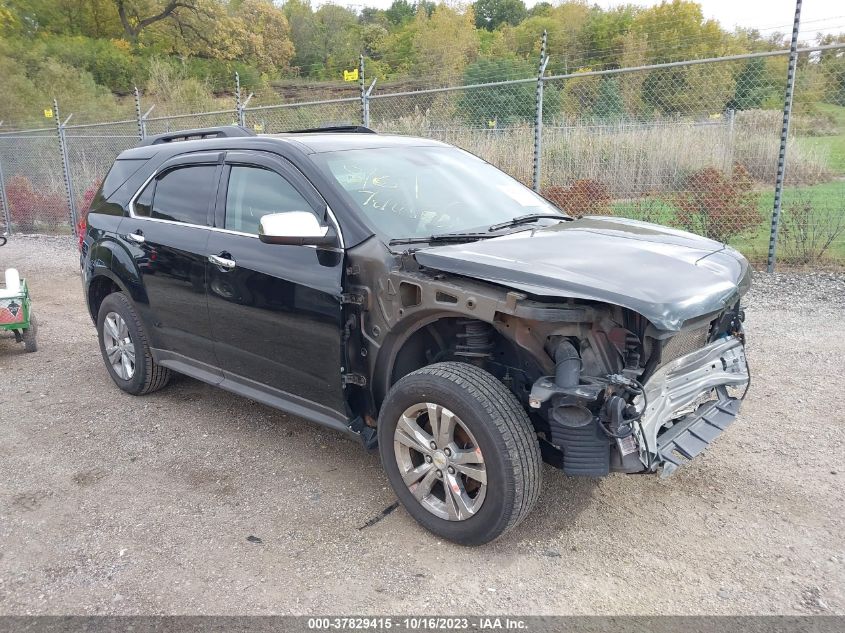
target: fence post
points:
(367, 103)
(60, 128)
(238, 98)
(141, 130)
(4, 200)
(784, 137)
(363, 90)
(538, 115)
(143, 123)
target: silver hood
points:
(666, 275)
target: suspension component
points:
(476, 341)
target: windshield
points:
(412, 192)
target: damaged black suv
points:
(409, 294)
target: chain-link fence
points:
(34, 195)
(692, 144)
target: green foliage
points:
(609, 107)
(491, 14)
(495, 107)
(400, 12)
(96, 51)
(111, 64)
(756, 86)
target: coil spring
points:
(476, 341)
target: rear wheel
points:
(124, 347)
(30, 343)
(460, 452)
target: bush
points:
(503, 105)
(583, 197)
(30, 208)
(807, 234)
(717, 205)
(110, 63)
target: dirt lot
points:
(196, 501)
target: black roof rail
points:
(348, 129)
(225, 131)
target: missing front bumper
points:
(692, 434)
(674, 395)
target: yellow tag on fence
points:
(350, 75)
(48, 113)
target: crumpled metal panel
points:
(666, 275)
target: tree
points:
(430, 54)
(754, 86)
(608, 106)
(603, 35)
(303, 27)
(503, 105)
(400, 12)
(541, 8)
(261, 36)
(491, 14)
(338, 38)
(8, 20)
(677, 30)
(130, 13)
(631, 84)
(565, 24)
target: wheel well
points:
(100, 288)
(446, 340)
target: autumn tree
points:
(491, 14)
(137, 15)
(446, 24)
(261, 36)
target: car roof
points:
(305, 142)
(332, 142)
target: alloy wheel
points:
(440, 461)
(119, 347)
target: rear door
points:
(167, 233)
(276, 313)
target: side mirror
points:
(299, 228)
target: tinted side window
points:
(120, 172)
(254, 192)
(182, 195)
(144, 202)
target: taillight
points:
(81, 228)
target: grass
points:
(832, 146)
(828, 200)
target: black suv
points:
(408, 293)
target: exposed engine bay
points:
(605, 389)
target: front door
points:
(167, 233)
(275, 309)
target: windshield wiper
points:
(527, 219)
(440, 237)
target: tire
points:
(30, 342)
(146, 376)
(487, 417)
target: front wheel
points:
(460, 452)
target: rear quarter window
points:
(121, 171)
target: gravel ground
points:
(193, 500)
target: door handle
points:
(136, 237)
(222, 262)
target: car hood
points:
(666, 275)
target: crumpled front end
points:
(611, 411)
(689, 401)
